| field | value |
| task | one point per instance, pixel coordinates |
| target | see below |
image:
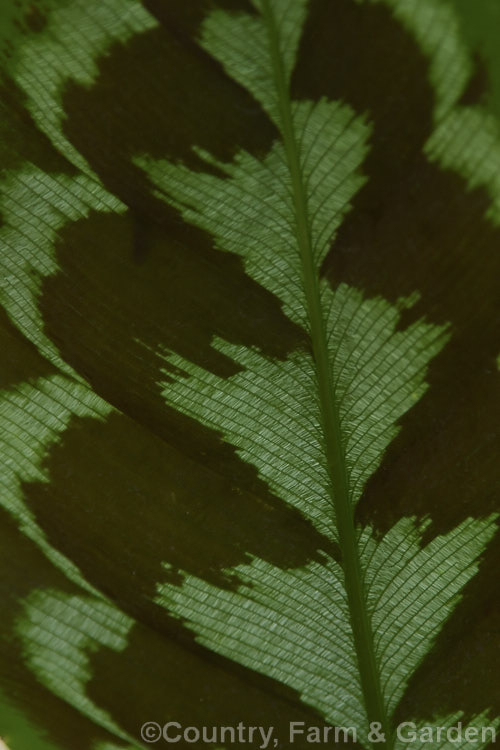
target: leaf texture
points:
(218, 328)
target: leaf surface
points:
(249, 317)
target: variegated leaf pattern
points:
(249, 289)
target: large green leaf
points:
(249, 310)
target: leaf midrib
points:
(336, 463)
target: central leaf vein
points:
(337, 469)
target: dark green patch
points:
(462, 670)
(479, 85)
(121, 502)
(34, 18)
(161, 675)
(188, 101)
(23, 361)
(115, 320)
(185, 18)
(133, 288)
(181, 686)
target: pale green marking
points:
(378, 374)
(468, 141)
(269, 413)
(67, 50)
(280, 623)
(59, 634)
(294, 625)
(251, 212)
(269, 410)
(251, 64)
(412, 590)
(35, 206)
(33, 418)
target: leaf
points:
(248, 286)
